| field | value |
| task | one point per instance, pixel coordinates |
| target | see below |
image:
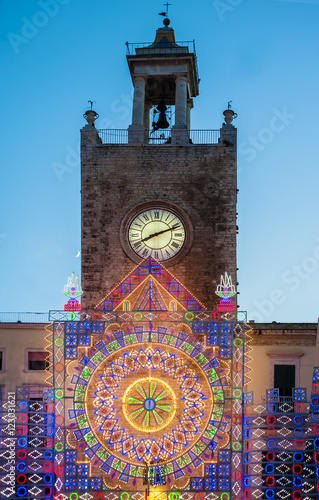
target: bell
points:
(162, 121)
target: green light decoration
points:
(149, 404)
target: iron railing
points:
(24, 317)
(204, 136)
(149, 48)
(120, 136)
(113, 136)
(160, 136)
(146, 48)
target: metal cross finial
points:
(167, 5)
(91, 102)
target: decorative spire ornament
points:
(72, 290)
(225, 290)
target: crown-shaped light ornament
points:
(72, 290)
(225, 290)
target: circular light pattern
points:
(59, 419)
(149, 404)
(23, 405)
(138, 445)
(22, 442)
(22, 491)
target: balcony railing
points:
(120, 136)
(113, 136)
(148, 48)
(24, 317)
(204, 136)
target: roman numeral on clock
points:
(156, 232)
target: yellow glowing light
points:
(144, 404)
(248, 349)
(49, 348)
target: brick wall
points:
(201, 179)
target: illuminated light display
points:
(225, 290)
(139, 388)
(25, 451)
(72, 290)
(149, 404)
(135, 393)
(178, 440)
(280, 446)
(157, 272)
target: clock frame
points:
(156, 229)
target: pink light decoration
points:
(225, 290)
(72, 290)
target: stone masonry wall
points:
(201, 179)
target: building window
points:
(285, 379)
(284, 371)
(1, 360)
(37, 360)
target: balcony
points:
(120, 136)
(164, 49)
(187, 47)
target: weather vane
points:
(165, 14)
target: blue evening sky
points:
(261, 54)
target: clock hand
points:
(160, 232)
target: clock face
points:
(158, 233)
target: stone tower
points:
(169, 193)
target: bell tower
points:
(163, 73)
(159, 189)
